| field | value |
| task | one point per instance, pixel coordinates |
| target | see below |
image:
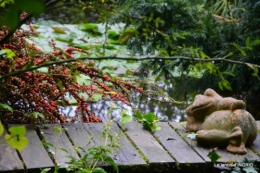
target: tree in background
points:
(192, 31)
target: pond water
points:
(166, 111)
(175, 88)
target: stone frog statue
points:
(221, 122)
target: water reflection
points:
(166, 111)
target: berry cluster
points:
(45, 91)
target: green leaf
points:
(113, 35)
(192, 135)
(224, 84)
(98, 170)
(45, 170)
(91, 28)
(249, 169)
(30, 6)
(11, 18)
(17, 130)
(9, 53)
(1, 129)
(138, 115)
(97, 97)
(37, 115)
(4, 106)
(213, 155)
(43, 70)
(16, 138)
(82, 79)
(63, 149)
(111, 162)
(58, 30)
(125, 118)
(47, 144)
(3, 3)
(255, 43)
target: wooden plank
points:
(203, 152)
(178, 148)
(30, 154)
(147, 144)
(127, 155)
(79, 136)
(9, 159)
(59, 140)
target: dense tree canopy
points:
(190, 33)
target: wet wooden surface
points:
(169, 147)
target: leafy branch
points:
(126, 59)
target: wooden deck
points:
(167, 150)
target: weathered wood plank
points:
(179, 149)
(30, 154)
(60, 140)
(203, 152)
(79, 136)
(147, 144)
(127, 155)
(9, 159)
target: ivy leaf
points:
(249, 169)
(4, 106)
(1, 129)
(16, 137)
(213, 155)
(192, 135)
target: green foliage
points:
(6, 107)
(16, 137)
(148, 120)
(202, 30)
(214, 156)
(10, 16)
(91, 28)
(125, 117)
(1, 128)
(3, 3)
(93, 155)
(7, 53)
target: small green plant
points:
(192, 136)
(148, 120)
(16, 137)
(88, 163)
(214, 156)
